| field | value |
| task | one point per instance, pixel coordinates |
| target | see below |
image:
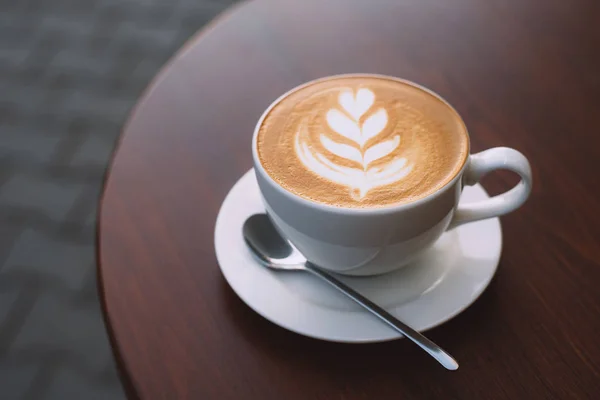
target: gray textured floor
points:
(70, 70)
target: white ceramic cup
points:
(372, 241)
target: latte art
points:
(361, 141)
(360, 178)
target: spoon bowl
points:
(269, 247)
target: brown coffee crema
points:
(362, 141)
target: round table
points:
(523, 74)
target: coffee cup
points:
(364, 172)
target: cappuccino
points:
(362, 141)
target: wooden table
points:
(523, 73)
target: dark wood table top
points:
(523, 73)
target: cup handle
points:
(487, 161)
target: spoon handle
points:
(433, 349)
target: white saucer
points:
(441, 284)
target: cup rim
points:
(350, 210)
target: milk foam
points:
(362, 141)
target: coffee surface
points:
(362, 141)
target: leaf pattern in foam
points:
(323, 167)
(381, 150)
(341, 150)
(391, 173)
(357, 105)
(343, 125)
(347, 124)
(373, 126)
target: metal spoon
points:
(277, 253)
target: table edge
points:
(131, 391)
